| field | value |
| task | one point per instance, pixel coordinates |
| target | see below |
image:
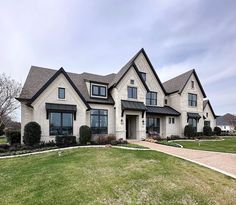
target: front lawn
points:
(226, 145)
(111, 176)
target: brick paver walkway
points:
(221, 162)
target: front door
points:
(131, 126)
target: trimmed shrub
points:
(32, 134)
(189, 131)
(198, 134)
(217, 131)
(84, 134)
(111, 138)
(13, 137)
(207, 131)
(2, 127)
(65, 141)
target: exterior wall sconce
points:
(143, 122)
(122, 121)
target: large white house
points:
(127, 104)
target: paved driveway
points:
(221, 162)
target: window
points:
(207, 123)
(61, 93)
(153, 124)
(207, 114)
(151, 98)
(169, 120)
(98, 90)
(131, 82)
(166, 101)
(99, 121)
(173, 120)
(192, 100)
(192, 84)
(61, 123)
(132, 92)
(193, 122)
(143, 76)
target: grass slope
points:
(227, 145)
(110, 176)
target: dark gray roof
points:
(39, 76)
(178, 83)
(193, 115)
(64, 107)
(132, 105)
(225, 119)
(166, 110)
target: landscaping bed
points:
(111, 176)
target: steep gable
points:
(207, 102)
(178, 83)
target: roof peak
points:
(189, 71)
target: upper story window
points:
(98, 90)
(192, 84)
(132, 82)
(132, 92)
(151, 98)
(143, 75)
(207, 114)
(192, 100)
(61, 93)
(166, 101)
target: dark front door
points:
(131, 127)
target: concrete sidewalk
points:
(218, 161)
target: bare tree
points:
(9, 90)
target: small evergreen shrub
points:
(2, 127)
(217, 131)
(189, 131)
(13, 137)
(65, 141)
(32, 134)
(84, 134)
(207, 131)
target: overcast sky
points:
(101, 36)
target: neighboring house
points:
(127, 104)
(227, 122)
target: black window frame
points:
(134, 95)
(207, 123)
(169, 120)
(207, 114)
(143, 75)
(190, 122)
(150, 100)
(60, 132)
(166, 101)
(99, 129)
(173, 120)
(99, 90)
(191, 101)
(132, 82)
(153, 128)
(59, 93)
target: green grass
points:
(226, 145)
(110, 176)
(3, 139)
(132, 146)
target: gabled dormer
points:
(98, 90)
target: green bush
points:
(84, 134)
(198, 134)
(2, 127)
(32, 134)
(13, 137)
(207, 131)
(217, 131)
(189, 131)
(65, 141)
